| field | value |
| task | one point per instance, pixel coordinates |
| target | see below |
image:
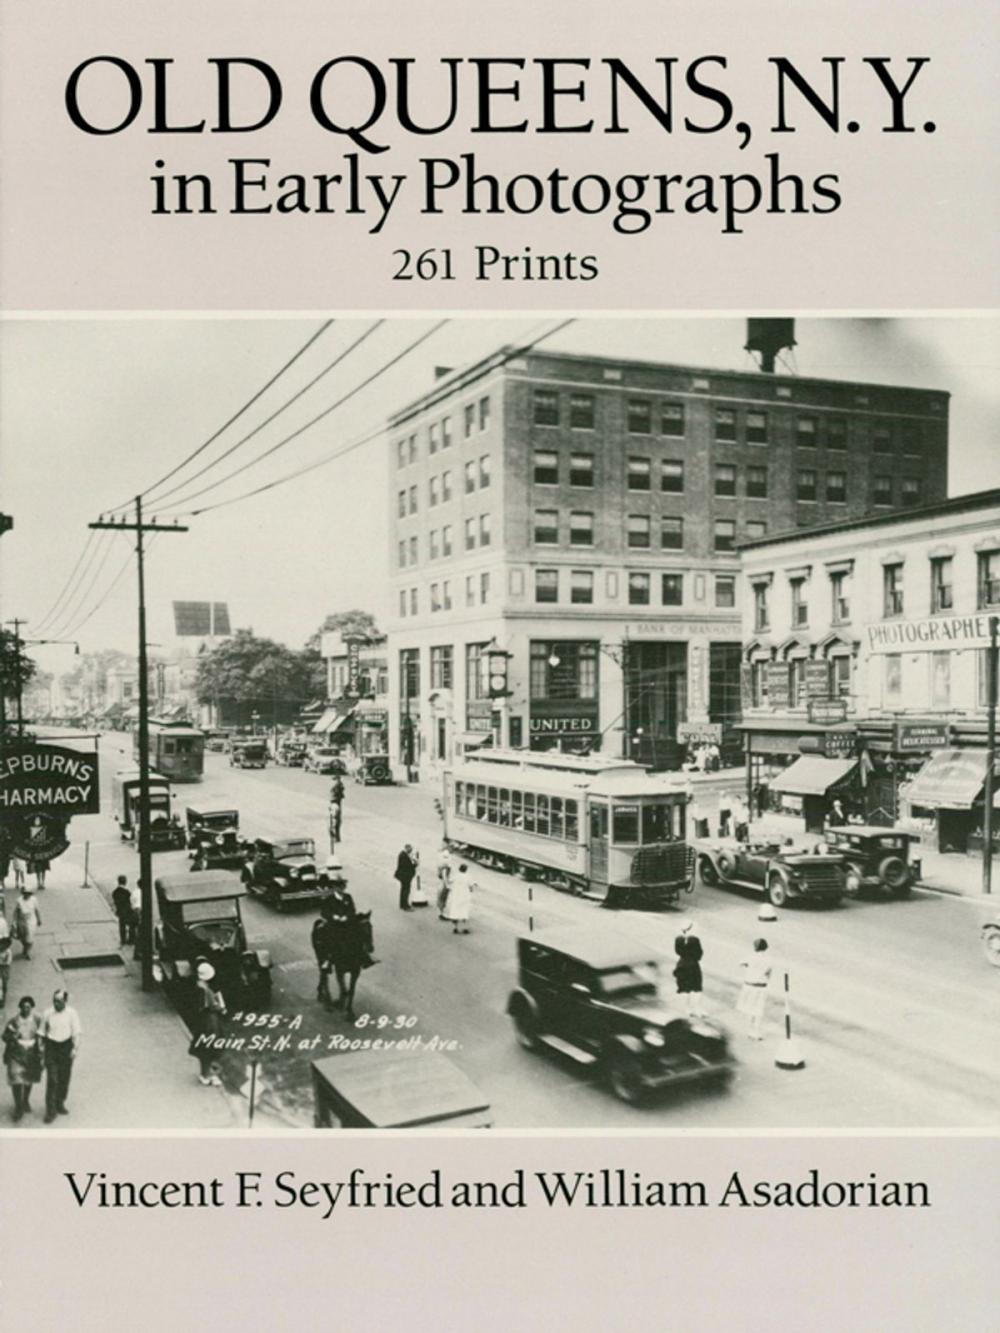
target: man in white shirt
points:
(61, 1031)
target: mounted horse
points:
(343, 944)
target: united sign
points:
(48, 779)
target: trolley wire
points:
(56, 606)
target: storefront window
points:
(563, 670)
(893, 675)
(941, 680)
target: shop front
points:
(947, 795)
(563, 702)
(775, 745)
(817, 784)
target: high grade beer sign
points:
(48, 780)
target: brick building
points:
(583, 515)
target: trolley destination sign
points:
(36, 779)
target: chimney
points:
(768, 337)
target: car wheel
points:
(991, 945)
(777, 891)
(707, 871)
(625, 1079)
(893, 873)
(727, 865)
(525, 1026)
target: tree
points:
(16, 667)
(346, 622)
(251, 674)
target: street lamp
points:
(254, 719)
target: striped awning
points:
(813, 775)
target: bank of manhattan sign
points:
(48, 780)
(936, 634)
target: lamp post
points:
(254, 719)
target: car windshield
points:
(299, 847)
(216, 934)
(222, 819)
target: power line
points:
(56, 605)
(267, 421)
(82, 593)
(235, 417)
(356, 443)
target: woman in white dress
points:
(459, 905)
(753, 995)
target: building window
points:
(581, 529)
(433, 549)
(484, 413)
(433, 438)
(761, 616)
(639, 415)
(433, 493)
(581, 587)
(638, 589)
(446, 595)
(413, 499)
(796, 682)
(725, 423)
(412, 445)
(912, 490)
(435, 597)
(402, 504)
(442, 667)
(672, 589)
(401, 454)
(470, 590)
(581, 470)
(546, 408)
(563, 669)
(940, 680)
(725, 479)
(638, 474)
(445, 487)
(882, 439)
(756, 428)
(840, 676)
(546, 467)
(806, 484)
(414, 600)
(484, 529)
(401, 558)
(671, 534)
(446, 433)
(800, 607)
(672, 476)
(725, 590)
(892, 588)
(484, 472)
(724, 534)
(882, 494)
(484, 587)
(988, 581)
(840, 591)
(638, 532)
(413, 550)
(756, 530)
(470, 534)
(446, 539)
(672, 419)
(757, 483)
(805, 432)
(581, 411)
(836, 433)
(941, 597)
(402, 602)
(893, 675)
(836, 487)
(758, 683)
(476, 684)
(470, 477)
(546, 585)
(409, 673)
(468, 419)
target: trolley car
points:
(176, 749)
(600, 827)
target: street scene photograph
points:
(500, 721)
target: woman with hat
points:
(687, 970)
(209, 1009)
(22, 1053)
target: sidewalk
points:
(133, 1070)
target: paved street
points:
(896, 1009)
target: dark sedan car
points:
(592, 996)
(213, 838)
(284, 872)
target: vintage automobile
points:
(292, 753)
(395, 1089)
(781, 871)
(284, 872)
(165, 831)
(876, 857)
(991, 939)
(248, 754)
(324, 759)
(200, 917)
(592, 995)
(374, 770)
(213, 838)
(216, 741)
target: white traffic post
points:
(789, 1055)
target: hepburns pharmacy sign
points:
(39, 779)
(934, 635)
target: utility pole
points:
(145, 944)
(991, 753)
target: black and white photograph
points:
(537, 722)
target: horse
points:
(351, 943)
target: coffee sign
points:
(48, 779)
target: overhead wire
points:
(83, 593)
(56, 606)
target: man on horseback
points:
(342, 940)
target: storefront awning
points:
(812, 775)
(950, 780)
(332, 720)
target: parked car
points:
(324, 759)
(876, 856)
(213, 838)
(248, 754)
(284, 872)
(780, 871)
(374, 770)
(394, 1089)
(292, 753)
(216, 741)
(200, 917)
(592, 995)
(165, 831)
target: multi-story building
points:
(357, 690)
(583, 515)
(866, 645)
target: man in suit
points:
(406, 869)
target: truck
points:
(165, 831)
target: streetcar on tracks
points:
(176, 749)
(591, 825)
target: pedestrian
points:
(17, 864)
(4, 866)
(209, 1009)
(135, 898)
(753, 995)
(337, 791)
(460, 901)
(27, 918)
(741, 818)
(725, 814)
(837, 815)
(444, 872)
(406, 868)
(40, 866)
(336, 818)
(687, 970)
(22, 1054)
(6, 953)
(60, 1033)
(121, 900)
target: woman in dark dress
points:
(687, 970)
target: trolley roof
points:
(598, 948)
(175, 728)
(552, 760)
(615, 784)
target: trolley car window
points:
(656, 824)
(491, 805)
(625, 824)
(480, 801)
(459, 797)
(542, 815)
(504, 809)
(517, 809)
(680, 817)
(572, 822)
(168, 745)
(556, 817)
(529, 812)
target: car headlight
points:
(653, 1037)
(852, 882)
